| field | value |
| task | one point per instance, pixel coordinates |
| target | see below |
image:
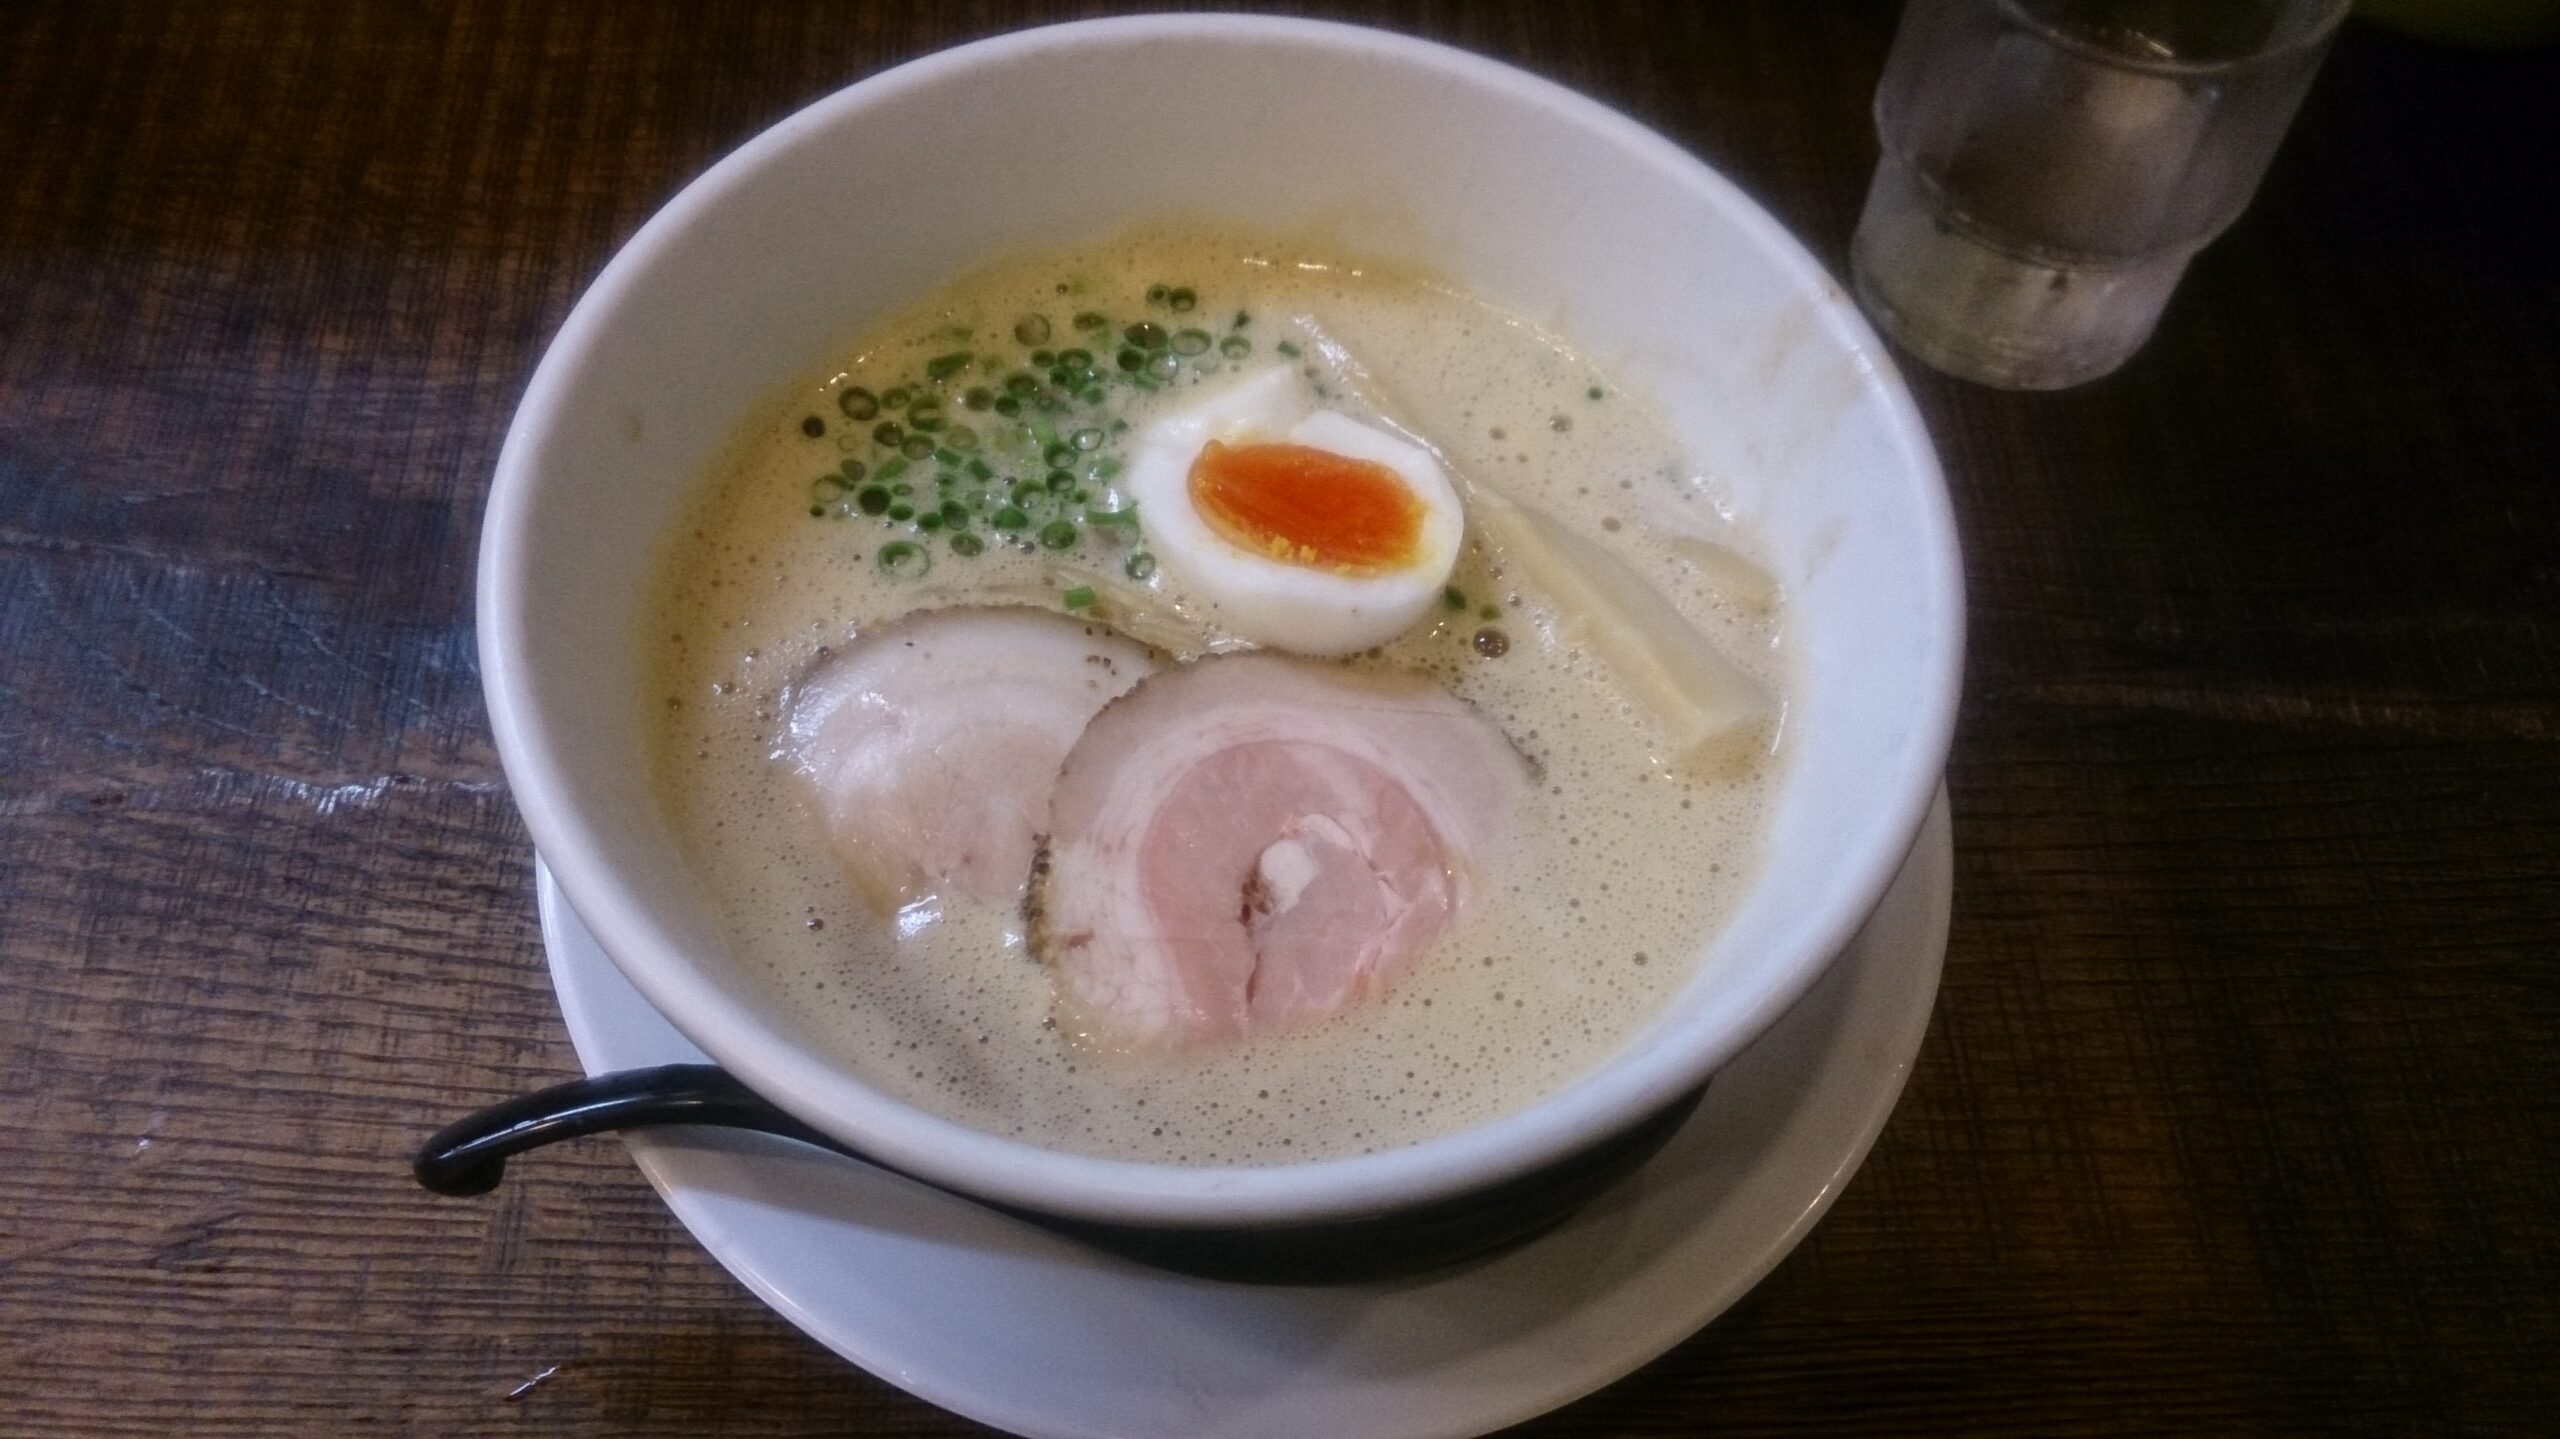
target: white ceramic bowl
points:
(1522, 192)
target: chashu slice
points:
(929, 745)
(1252, 842)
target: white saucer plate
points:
(1014, 1327)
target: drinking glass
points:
(2050, 167)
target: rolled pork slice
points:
(1250, 843)
(929, 745)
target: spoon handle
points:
(469, 1156)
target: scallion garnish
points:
(904, 560)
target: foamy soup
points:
(973, 450)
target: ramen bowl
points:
(1520, 192)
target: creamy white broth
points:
(1623, 867)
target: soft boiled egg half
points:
(1302, 528)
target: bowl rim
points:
(1621, 1092)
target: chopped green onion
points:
(943, 367)
(1058, 534)
(1043, 358)
(965, 543)
(1593, 392)
(858, 403)
(1287, 348)
(1131, 360)
(1058, 456)
(902, 513)
(1010, 517)
(1032, 329)
(1059, 482)
(1022, 382)
(1146, 335)
(1127, 518)
(954, 512)
(904, 560)
(873, 500)
(1081, 597)
(980, 470)
(925, 414)
(891, 468)
(929, 521)
(1454, 597)
(1242, 319)
(1008, 406)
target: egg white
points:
(1301, 608)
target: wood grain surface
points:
(2237, 1114)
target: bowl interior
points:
(1533, 198)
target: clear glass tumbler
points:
(2050, 167)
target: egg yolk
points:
(1305, 506)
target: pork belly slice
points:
(1252, 842)
(929, 745)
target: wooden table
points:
(2237, 1112)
